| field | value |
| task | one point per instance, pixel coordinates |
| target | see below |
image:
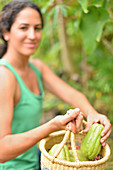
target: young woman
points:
(21, 90)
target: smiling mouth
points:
(32, 45)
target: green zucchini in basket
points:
(91, 146)
(81, 157)
(66, 154)
(63, 155)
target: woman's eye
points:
(38, 28)
(23, 28)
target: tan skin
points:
(26, 32)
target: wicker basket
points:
(49, 162)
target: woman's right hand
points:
(74, 116)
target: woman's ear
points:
(6, 35)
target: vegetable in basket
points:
(90, 146)
(63, 155)
(67, 154)
(81, 157)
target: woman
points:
(21, 90)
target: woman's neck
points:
(16, 60)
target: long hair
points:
(8, 16)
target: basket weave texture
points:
(49, 162)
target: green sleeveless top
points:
(26, 116)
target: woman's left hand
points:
(76, 124)
(99, 118)
(61, 121)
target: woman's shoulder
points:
(37, 63)
(7, 78)
(6, 72)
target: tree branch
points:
(107, 44)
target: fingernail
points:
(102, 134)
(101, 140)
(69, 111)
(76, 109)
(80, 114)
(69, 127)
(104, 144)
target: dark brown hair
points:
(8, 16)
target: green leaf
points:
(84, 5)
(96, 2)
(91, 27)
(105, 4)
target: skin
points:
(26, 32)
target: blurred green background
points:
(77, 44)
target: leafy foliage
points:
(92, 26)
(84, 5)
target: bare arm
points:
(75, 98)
(12, 145)
(61, 89)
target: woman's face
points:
(25, 33)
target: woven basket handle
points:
(73, 145)
(65, 139)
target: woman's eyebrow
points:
(29, 24)
(38, 24)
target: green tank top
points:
(26, 116)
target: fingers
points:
(60, 122)
(75, 125)
(71, 115)
(75, 111)
(103, 139)
(107, 127)
(79, 122)
(104, 121)
(88, 125)
(71, 126)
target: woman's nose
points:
(31, 34)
